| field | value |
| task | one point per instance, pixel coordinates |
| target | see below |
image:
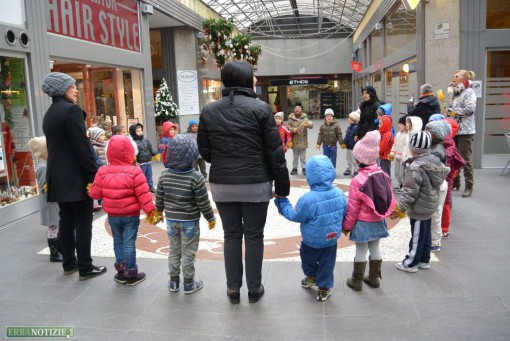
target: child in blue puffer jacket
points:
(321, 213)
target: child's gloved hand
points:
(343, 146)
(212, 224)
(397, 213)
(154, 217)
(345, 232)
(157, 157)
(391, 156)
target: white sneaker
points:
(424, 265)
(402, 267)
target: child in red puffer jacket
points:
(124, 191)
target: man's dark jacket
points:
(427, 106)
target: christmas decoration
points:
(6, 91)
(166, 108)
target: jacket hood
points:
(386, 125)
(132, 131)
(228, 91)
(387, 108)
(166, 128)
(120, 150)
(320, 173)
(182, 152)
(417, 123)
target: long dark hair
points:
(237, 74)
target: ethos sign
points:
(298, 82)
(108, 22)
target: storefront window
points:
(400, 29)
(401, 85)
(375, 46)
(17, 172)
(376, 83)
(211, 91)
(498, 14)
(110, 96)
(156, 49)
(497, 109)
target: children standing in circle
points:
(329, 134)
(183, 196)
(124, 191)
(349, 143)
(370, 202)
(145, 153)
(320, 213)
(49, 210)
(397, 151)
(169, 131)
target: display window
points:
(110, 96)
(211, 90)
(17, 171)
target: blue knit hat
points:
(191, 122)
(182, 152)
(56, 84)
(436, 117)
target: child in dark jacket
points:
(330, 134)
(370, 202)
(320, 213)
(145, 153)
(124, 191)
(349, 143)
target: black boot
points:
(294, 171)
(55, 255)
(133, 277)
(119, 276)
(304, 171)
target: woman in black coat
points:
(368, 112)
(71, 166)
(238, 136)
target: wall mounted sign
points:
(356, 66)
(298, 82)
(187, 87)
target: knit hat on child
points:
(280, 115)
(38, 148)
(56, 84)
(440, 129)
(420, 142)
(191, 122)
(354, 116)
(402, 120)
(329, 111)
(366, 150)
(95, 132)
(182, 152)
(435, 117)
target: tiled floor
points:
(464, 296)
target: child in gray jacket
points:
(423, 176)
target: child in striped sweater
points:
(182, 194)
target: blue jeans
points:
(330, 152)
(319, 263)
(147, 171)
(124, 231)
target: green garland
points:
(5, 91)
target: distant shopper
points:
(426, 106)
(299, 123)
(71, 166)
(124, 190)
(320, 213)
(330, 133)
(48, 210)
(368, 108)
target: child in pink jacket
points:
(370, 202)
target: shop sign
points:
(298, 82)
(356, 66)
(107, 22)
(187, 88)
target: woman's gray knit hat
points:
(182, 152)
(56, 84)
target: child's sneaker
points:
(435, 248)
(424, 265)
(308, 282)
(402, 267)
(196, 285)
(347, 172)
(354, 174)
(323, 294)
(446, 235)
(174, 285)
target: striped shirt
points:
(183, 195)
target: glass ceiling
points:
(293, 18)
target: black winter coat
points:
(238, 136)
(145, 151)
(426, 107)
(367, 117)
(71, 162)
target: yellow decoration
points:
(45, 188)
(440, 95)
(343, 146)
(88, 187)
(157, 157)
(154, 217)
(401, 214)
(212, 224)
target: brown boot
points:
(356, 281)
(374, 273)
(468, 191)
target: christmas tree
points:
(166, 108)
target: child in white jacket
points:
(396, 153)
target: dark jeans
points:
(330, 152)
(243, 219)
(75, 233)
(319, 263)
(464, 144)
(420, 243)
